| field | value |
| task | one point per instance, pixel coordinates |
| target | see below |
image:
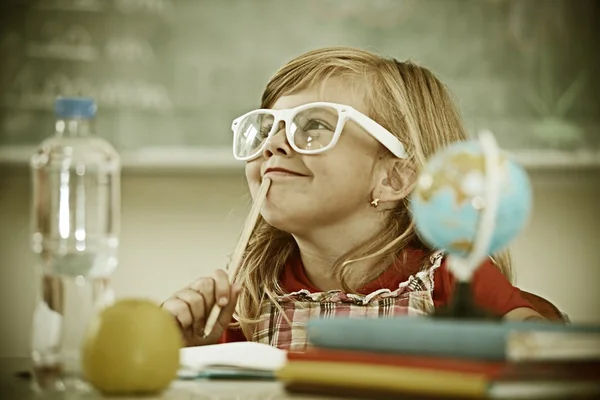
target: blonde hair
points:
(405, 98)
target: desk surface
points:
(14, 387)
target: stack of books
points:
(437, 358)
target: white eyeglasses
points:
(311, 128)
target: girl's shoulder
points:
(491, 289)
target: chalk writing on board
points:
(163, 8)
(72, 42)
(70, 5)
(113, 93)
(135, 93)
(129, 49)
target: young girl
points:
(342, 133)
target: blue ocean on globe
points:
(449, 198)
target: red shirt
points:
(491, 289)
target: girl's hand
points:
(192, 305)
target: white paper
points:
(247, 355)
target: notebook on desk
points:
(239, 360)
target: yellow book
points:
(386, 378)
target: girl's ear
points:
(396, 181)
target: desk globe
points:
(471, 200)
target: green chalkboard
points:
(174, 73)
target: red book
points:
(492, 370)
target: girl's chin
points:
(285, 222)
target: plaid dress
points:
(412, 297)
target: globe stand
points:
(463, 266)
(462, 306)
(468, 201)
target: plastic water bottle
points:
(75, 216)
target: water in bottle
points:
(75, 216)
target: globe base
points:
(462, 306)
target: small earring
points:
(375, 201)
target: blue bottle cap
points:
(75, 107)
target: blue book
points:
(484, 340)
